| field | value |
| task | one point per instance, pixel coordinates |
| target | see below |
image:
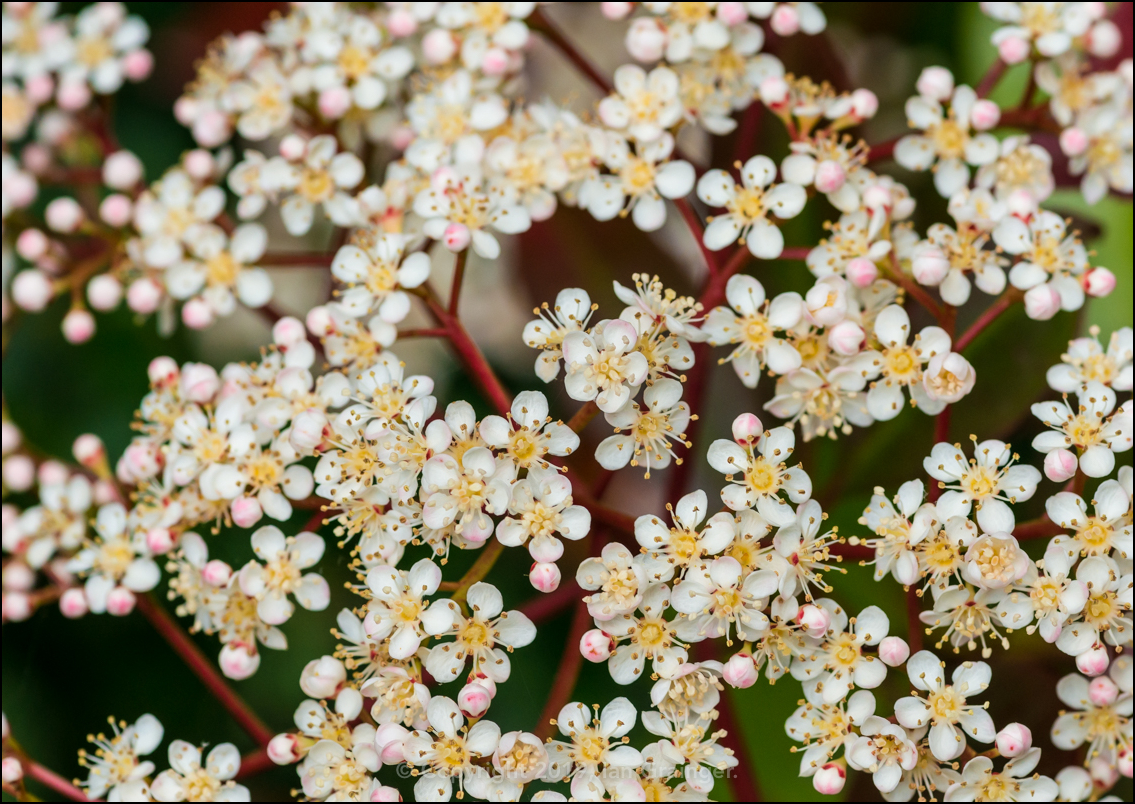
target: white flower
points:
(753, 328)
(465, 494)
(825, 403)
(645, 105)
(836, 664)
(377, 275)
(1022, 166)
(970, 616)
(530, 435)
(603, 365)
(448, 750)
(1050, 27)
(59, 522)
(480, 636)
(1053, 597)
(164, 216)
(748, 205)
(717, 599)
(945, 706)
(644, 636)
(1015, 782)
(989, 479)
(687, 741)
(397, 608)
(1106, 162)
(948, 142)
(823, 727)
(572, 310)
(1047, 256)
(118, 558)
(650, 430)
(1109, 529)
(965, 250)
(899, 531)
(189, 780)
(884, 750)
(1094, 428)
(446, 120)
(677, 549)
(1104, 725)
(1086, 361)
(280, 575)
(852, 237)
(460, 213)
(114, 769)
(594, 741)
(222, 269)
(320, 176)
(762, 473)
(541, 506)
(644, 179)
(619, 578)
(1107, 613)
(261, 99)
(995, 560)
(104, 38)
(899, 364)
(341, 771)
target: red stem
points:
(296, 259)
(253, 763)
(913, 623)
(545, 607)
(50, 778)
(566, 674)
(204, 669)
(424, 332)
(698, 231)
(942, 426)
(991, 77)
(540, 22)
(458, 278)
(882, 151)
(471, 355)
(1003, 303)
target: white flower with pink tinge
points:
(188, 779)
(718, 599)
(1049, 256)
(837, 664)
(571, 312)
(645, 105)
(316, 176)
(481, 636)
(459, 213)
(603, 365)
(117, 564)
(281, 574)
(1086, 360)
(944, 707)
(1093, 428)
(641, 181)
(899, 364)
(540, 507)
(1016, 781)
(884, 750)
(465, 494)
(398, 610)
(752, 324)
(990, 479)
(690, 742)
(618, 579)
(1101, 712)
(1108, 529)
(1107, 614)
(650, 430)
(644, 636)
(748, 206)
(528, 434)
(447, 751)
(761, 474)
(675, 550)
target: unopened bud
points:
(785, 20)
(120, 601)
(121, 170)
(216, 573)
(73, 604)
(284, 749)
(1042, 302)
(596, 646)
(829, 779)
(32, 290)
(846, 338)
(893, 651)
(930, 266)
(1099, 282)
(861, 272)
(160, 540)
(239, 660)
(985, 114)
(1103, 691)
(474, 700)
(439, 46)
(88, 450)
(1060, 465)
(747, 428)
(11, 771)
(1014, 740)
(64, 215)
(740, 672)
(830, 176)
(246, 512)
(78, 326)
(116, 210)
(1094, 661)
(815, 620)
(1073, 141)
(1013, 50)
(322, 677)
(935, 83)
(544, 577)
(456, 237)
(104, 292)
(144, 295)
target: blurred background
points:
(61, 679)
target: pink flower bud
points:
(246, 511)
(846, 338)
(893, 651)
(401, 137)
(11, 771)
(116, 210)
(200, 164)
(239, 660)
(216, 573)
(774, 91)
(88, 450)
(32, 290)
(474, 700)
(73, 604)
(36, 158)
(814, 620)
(15, 606)
(105, 492)
(495, 61)
(1042, 302)
(484, 681)
(1099, 282)
(73, 95)
(319, 322)
(861, 272)
(64, 215)
(288, 330)
(985, 114)
(878, 197)
(1022, 204)
(740, 672)
(104, 292)
(596, 646)
(1103, 773)
(1104, 39)
(284, 749)
(120, 601)
(936, 83)
(185, 110)
(439, 46)
(19, 472)
(32, 244)
(388, 741)
(618, 11)
(785, 21)
(160, 540)
(864, 104)
(1103, 691)
(646, 39)
(199, 382)
(197, 314)
(323, 677)
(385, 793)
(138, 65)
(456, 237)
(52, 473)
(143, 296)
(307, 430)
(1073, 141)
(163, 370)
(121, 170)
(1123, 761)
(334, 102)
(729, 13)
(1014, 740)
(747, 428)
(78, 326)
(1013, 50)
(829, 779)
(20, 189)
(544, 577)
(39, 89)
(1060, 465)
(1094, 661)
(930, 266)
(830, 176)
(211, 129)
